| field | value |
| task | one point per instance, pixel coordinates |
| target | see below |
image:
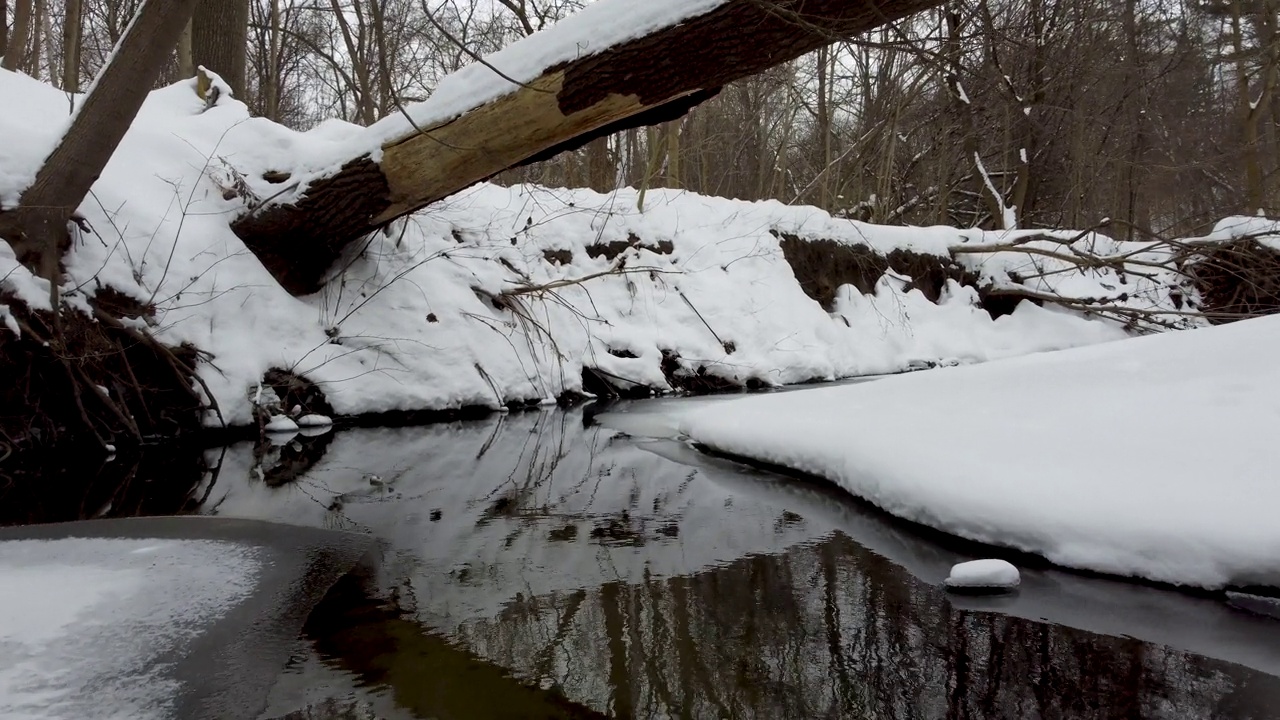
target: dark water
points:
(539, 565)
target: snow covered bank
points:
(514, 295)
(1152, 458)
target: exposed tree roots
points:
(1239, 279)
(823, 266)
(100, 381)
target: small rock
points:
(983, 577)
(313, 420)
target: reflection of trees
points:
(427, 675)
(830, 630)
(556, 470)
(586, 564)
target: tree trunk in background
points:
(71, 25)
(353, 41)
(824, 129)
(4, 27)
(602, 171)
(39, 21)
(673, 154)
(52, 45)
(1251, 106)
(219, 36)
(1128, 182)
(15, 57)
(271, 83)
(37, 229)
(1029, 101)
(186, 58)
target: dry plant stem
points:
(1083, 260)
(617, 269)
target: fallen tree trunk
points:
(651, 79)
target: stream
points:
(544, 565)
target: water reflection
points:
(71, 484)
(830, 631)
(633, 579)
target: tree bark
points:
(219, 36)
(4, 27)
(17, 47)
(38, 23)
(824, 129)
(602, 170)
(37, 228)
(673, 154)
(654, 78)
(271, 83)
(186, 56)
(71, 27)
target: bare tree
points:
(4, 27)
(71, 24)
(37, 228)
(16, 55)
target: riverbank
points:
(503, 297)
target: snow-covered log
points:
(656, 76)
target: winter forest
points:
(639, 358)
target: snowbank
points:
(506, 295)
(1152, 458)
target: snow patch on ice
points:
(85, 624)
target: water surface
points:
(540, 565)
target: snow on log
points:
(652, 78)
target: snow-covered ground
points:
(88, 627)
(411, 322)
(1152, 458)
